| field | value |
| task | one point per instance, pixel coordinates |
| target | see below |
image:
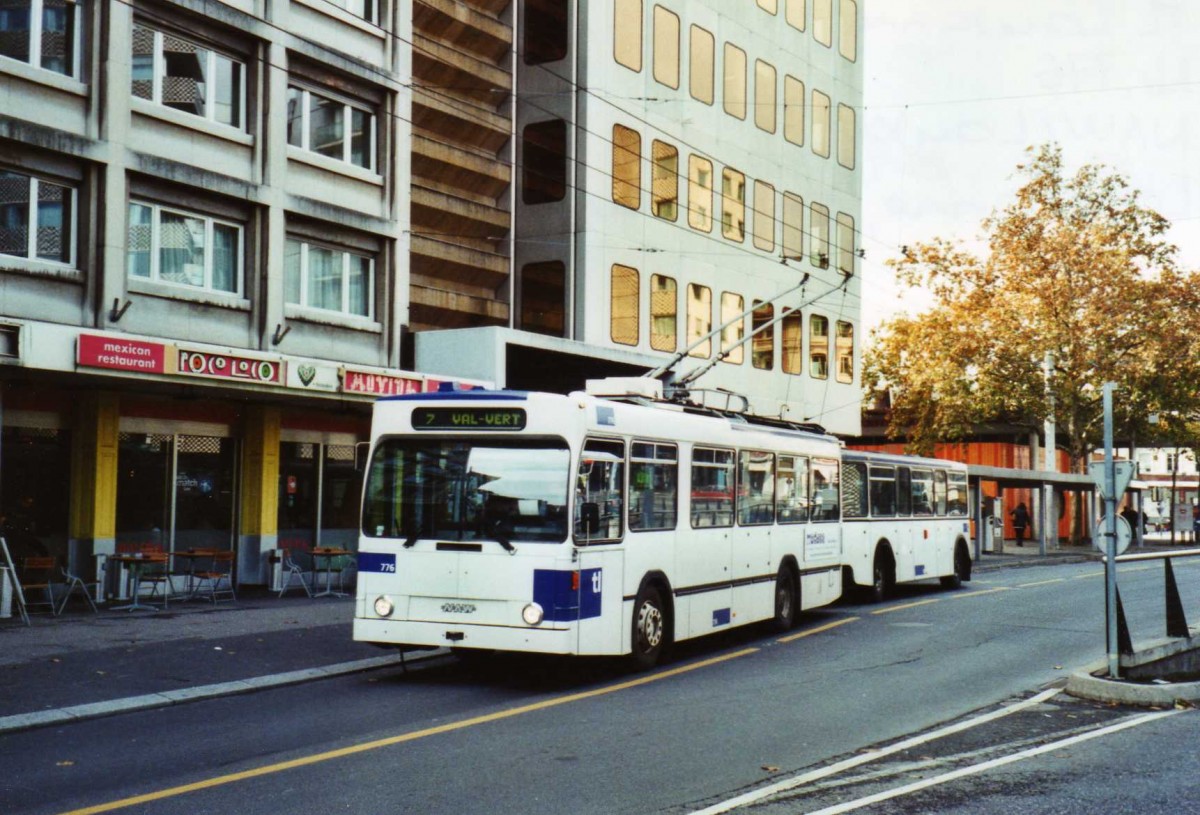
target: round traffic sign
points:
(1124, 535)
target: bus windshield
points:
(468, 490)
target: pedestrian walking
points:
(1020, 517)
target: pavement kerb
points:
(112, 707)
(1085, 684)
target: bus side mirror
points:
(589, 516)
(361, 451)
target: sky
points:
(955, 90)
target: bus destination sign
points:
(468, 419)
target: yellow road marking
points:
(1041, 583)
(907, 605)
(817, 630)
(977, 593)
(353, 749)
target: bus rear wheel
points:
(883, 578)
(785, 602)
(649, 629)
(962, 570)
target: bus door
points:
(598, 535)
(752, 540)
(600, 600)
(704, 549)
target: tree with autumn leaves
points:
(1077, 268)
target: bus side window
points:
(601, 483)
(883, 492)
(712, 487)
(791, 490)
(756, 487)
(939, 492)
(854, 489)
(653, 486)
(826, 503)
(904, 491)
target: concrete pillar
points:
(259, 532)
(93, 503)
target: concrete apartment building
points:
(226, 227)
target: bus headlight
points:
(384, 607)
(532, 614)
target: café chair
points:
(37, 579)
(155, 571)
(293, 570)
(217, 579)
(75, 582)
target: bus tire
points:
(962, 569)
(883, 575)
(786, 601)
(649, 629)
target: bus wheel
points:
(649, 628)
(785, 601)
(883, 578)
(961, 570)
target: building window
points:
(845, 154)
(664, 181)
(794, 13)
(792, 329)
(184, 248)
(823, 21)
(762, 344)
(664, 312)
(844, 345)
(545, 31)
(43, 33)
(769, 6)
(623, 312)
(848, 29)
(666, 47)
(818, 228)
(764, 95)
(627, 33)
(627, 167)
(700, 193)
(818, 347)
(177, 73)
(733, 205)
(331, 127)
(793, 110)
(732, 305)
(845, 243)
(820, 124)
(37, 219)
(699, 319)
(544, 169)
(322, 277)
(700, 72)
(793, 227)
(764, 216)
(543, 297)
(735, 81)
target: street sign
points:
(1124, 474)
(1124, 535)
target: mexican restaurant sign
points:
(122, 354)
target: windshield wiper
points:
(501, 536)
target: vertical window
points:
(939, 492)
(791, 490)
(845, 351)
(184, 248)
(544, 31)
(956, 494)
(666, 47)
(848, 29)
(820, 124)
(624, 305)
(764, 95)
(330, 127)
(793, 332)
(818, 237)
(903, 491)
(762, 344)
(793, 110)
(795, 13)
(823, 21)
(627, 167)
(700, 193)
(627, 33)
(42, 33)
(699, 319)
(322, 277)
(664, 180)
(732, 335)
(653, 485)
(818, 347)
(664, 313)
(845, 124)
(882, 492)
(735, 81)
(825, 489)
(37, 218)
(922, 492)
(845, 243)
(543, 297)
(700, 72)
(733, 205)
(600, 494)
(544, 169)
(770, 6)
(793, 226)
(854, 493)
(180, 74)
(712, 487)
(756, 487)
(764, 216)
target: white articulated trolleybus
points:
(586, 524)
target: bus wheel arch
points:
(653, 623)
(883, 572)
(962, 566)
(787, 596)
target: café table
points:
(329, 554)
(138, 564)
(191, 556)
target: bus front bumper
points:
(486, 637)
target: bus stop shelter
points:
(1044, 485)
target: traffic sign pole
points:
(1110, 511)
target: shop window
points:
(820, 124)
(733, 205)
(341, 492)
(844, 345)
(764, 216)
(699, 319)
(848, 29)
(702, 53)
(322, 124)
(735, 81)
(328, 278)
(791, 490)
(794, 13)
(34, 494)
(845, 244)
(818, 347)
(544, 165)
(182, 248)
(792, 328)
(666, 47)
(818, 237)
(756, 488)
(713, 485)
(664, 313)
(700, 193)
(42, 33)
(732, 305)
(653, 486)
(762, 344)
(823, 21)
(543, 298)
(601, 483)
(764, 96)
(177, 73)
(299, 495)
(627, 33)
(664, 180)
(623, 305)
(845, 127)
(37, 219)
(793, 110)
(793, 226)
(626, 167)
(545, 31)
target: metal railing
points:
(1176, 620)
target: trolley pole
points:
(1110, 523)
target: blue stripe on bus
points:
(721, 617)
(920, 571)
(560, 603)
(377, 562)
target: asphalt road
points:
(727, 716)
